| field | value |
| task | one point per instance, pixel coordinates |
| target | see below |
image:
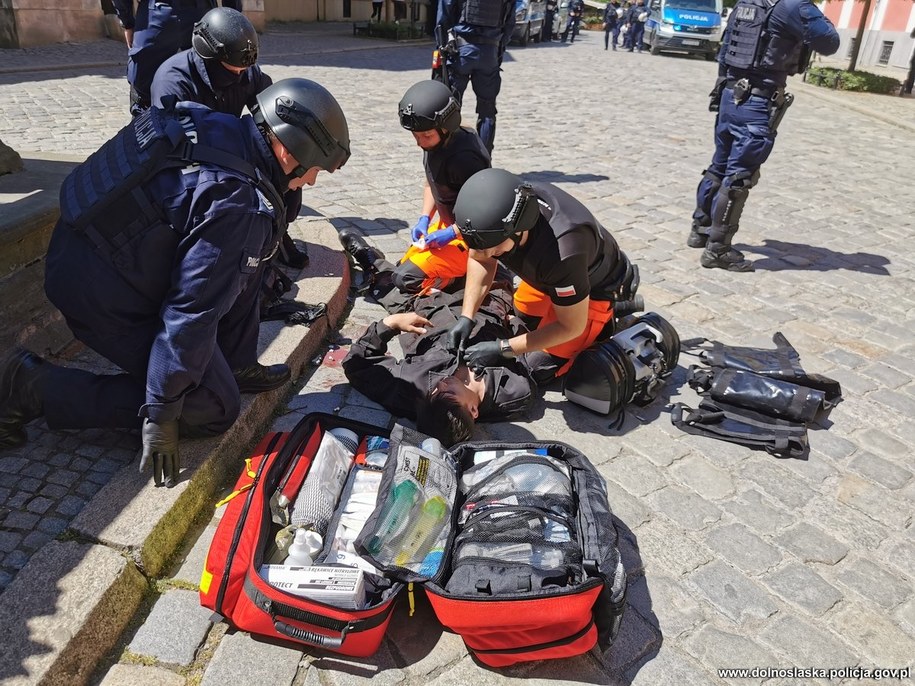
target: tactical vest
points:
(436, 161)
(752, 46)
(747, 33)
(108, 187)
(483, 13)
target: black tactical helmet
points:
(307, 120)
(492, 205)
(429, 105)
(226, 35)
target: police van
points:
(688, 26)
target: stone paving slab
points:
(829, 227)
(67, 607)
(174, 629)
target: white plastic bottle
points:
(300, 550)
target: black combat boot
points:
(259, 378)
(698, 236)
(363, 253)
(723, 256)
(21, 376)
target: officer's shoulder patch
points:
(250, 261)
(745, 12)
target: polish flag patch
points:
(565, 291)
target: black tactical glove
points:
(488, 354)
(459, 333)
(714, 98)
(160, 445)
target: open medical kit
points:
(513, 543)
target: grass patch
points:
(859, 81)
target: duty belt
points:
(776, 95)
(460, 40)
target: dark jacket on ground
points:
(399, 385)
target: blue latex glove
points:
(440, 238)
(419, 229)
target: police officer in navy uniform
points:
(482, 30)
(573, 273)
(763, 44)
(175, 249)
(611, 23)
(549, 18)
(636, 18)
(154, 33)
(576, 12)
(220, 70)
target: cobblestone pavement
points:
(735, 559)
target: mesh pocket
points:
(534, 482)
(528, 536)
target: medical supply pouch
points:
(233, 582)
(514, 544)
(773, 397)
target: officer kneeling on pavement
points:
(156, 264)
(451, 155)
(574, 278)
(762, 45)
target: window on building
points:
(885, 52)
(851, 47)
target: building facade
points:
(887, 40)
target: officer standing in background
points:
(611, 23)
(176, 249)
(761, 47)
(156, 32)
(482, 30)
(573, 273)
(636, 18)
(576, 12)
(546, 33)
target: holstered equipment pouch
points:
(778, 437)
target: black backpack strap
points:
(778, 437)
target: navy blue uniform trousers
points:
(77, 399)
(743, 143)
